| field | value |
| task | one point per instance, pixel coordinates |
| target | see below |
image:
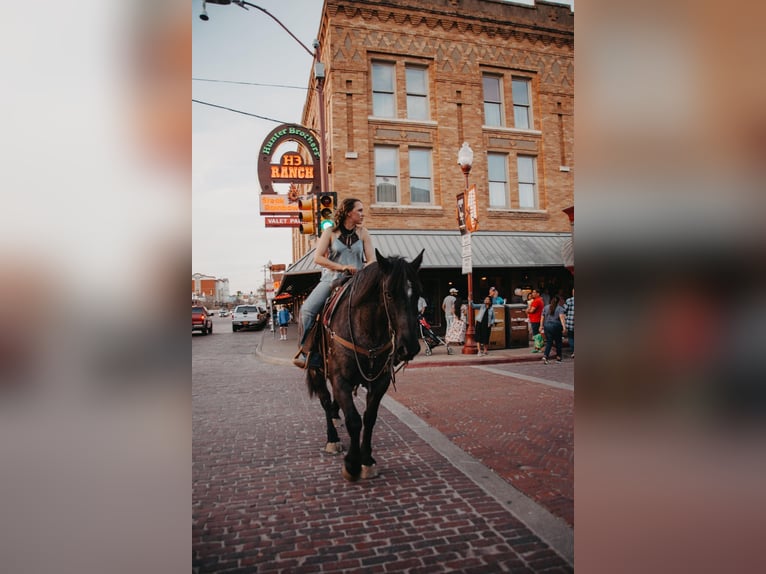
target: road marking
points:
(529, 378)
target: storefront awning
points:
(443, 250)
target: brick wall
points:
(456, 41)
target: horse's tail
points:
(315, 381)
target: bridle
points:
(387, 349)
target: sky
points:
(229, 237)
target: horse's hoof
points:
(369, 472)
(348, 476)
(333, 447)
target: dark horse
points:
(372, 329)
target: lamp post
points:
(319, 75)
(465, 159)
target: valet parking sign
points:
(281, 210)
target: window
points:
(383, 101)
(521, 111)
(527, 182)
(498, 179)
(420, 175)
(386, 174)
(417, 93)
(493, 101)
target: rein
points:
(374, 352)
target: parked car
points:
(201, 319)
(249, 317)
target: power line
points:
(239, 112)
(250, 84)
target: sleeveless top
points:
(341, 253)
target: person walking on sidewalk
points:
(344, 248)
(569, 322)
(448, 306)
(535, 312)
(554, 318)
(283, 317)
(485, 319)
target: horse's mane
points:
(370, 279)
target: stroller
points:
(430, 338)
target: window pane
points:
(497, 167)
(527, 196)
(416, 81)
(383, 105)
(420, 163)
(382, 78)
(417, 108)
(420, 190)
(521, 117)
(492, 115)
(520, 92)
(385, 161)
(386, 189)
(491, 89)
(497, 194)
(526, 169)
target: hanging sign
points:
(471, 210)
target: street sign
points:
(282, 221)
(467, 262)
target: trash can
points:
(497, 333)
(516, 325)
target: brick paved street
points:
(267, 499)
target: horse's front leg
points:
(318, 384)
(374, 396)
(352, 466)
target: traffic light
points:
(307, 214)
(326, 206)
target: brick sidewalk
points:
(524, 431)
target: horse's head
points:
(401, 289)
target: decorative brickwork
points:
(456, 42)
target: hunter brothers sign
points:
(293, 167)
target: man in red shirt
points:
(535, 312)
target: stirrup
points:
(300, 360)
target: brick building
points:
(208, 289)
(407, 82)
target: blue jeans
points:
(312, 306)
(570, 336)
(553, 333)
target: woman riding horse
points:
(344, 248)
(372, 329)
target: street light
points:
(465, 159)
(319, 74)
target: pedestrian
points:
(283, 316)
(484, 321)
(569, 323)
(422, 305)
(448, 306)
(535, 311)
(342, 249)
(495, 296)
(456, 332)
(554, 324)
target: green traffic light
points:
(325, 224)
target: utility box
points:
(517, 326)
(497, 334)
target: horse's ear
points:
(382, 261)
(418, 260)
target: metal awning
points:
(443, 250)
